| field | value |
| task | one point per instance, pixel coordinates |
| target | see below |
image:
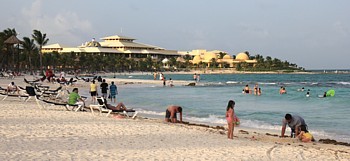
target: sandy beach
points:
(28, 133)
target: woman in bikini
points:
(230, 118)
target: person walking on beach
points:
(113, 91)
(75, 99)
(170, 114)
(230, 118)
(294, 122)
(93, 91)
(104, 88)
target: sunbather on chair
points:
(119, 106)
(12, 88)
(75, 99)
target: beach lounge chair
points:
(52, 103)
(7, 94)
(32, 83)
(100, 108)
(103, 105)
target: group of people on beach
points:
(76, 99)
(163, 79)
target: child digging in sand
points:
(230, 118)
(304, 135)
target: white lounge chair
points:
(103, 105)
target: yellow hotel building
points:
(126, 46)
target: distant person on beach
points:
(104, 88)
(161, 76)
(304, 135)
(301, 90)
(259, 91)
(164, 82)
(155, 75)
(75, 99)
(294, 122)
(230, 118)
(93, 91)
(325, 94)
(113, 92)
(247, 89)
(195, 76)
(171, 82)
(170, 114)
(198, 77)
(99, 79)
(12, 87)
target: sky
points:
(314, 34)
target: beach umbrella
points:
(11, 41)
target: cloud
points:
(64, 27)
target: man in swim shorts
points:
(170, 114)
(294, 122)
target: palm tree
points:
(41, 40)
(29, 47)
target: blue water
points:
(206, 103)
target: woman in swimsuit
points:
(230, 118)
(246, 89)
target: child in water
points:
(304, 135)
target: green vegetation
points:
(27, 56)
(269, 64)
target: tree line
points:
(27, 56)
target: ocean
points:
(206, 102)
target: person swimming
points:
(308, 93)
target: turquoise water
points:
(206, 103)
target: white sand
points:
(27, 133)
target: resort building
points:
(125, 46)
(222, 58)
(119, 45)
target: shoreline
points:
(120, 81)
(28, 133)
